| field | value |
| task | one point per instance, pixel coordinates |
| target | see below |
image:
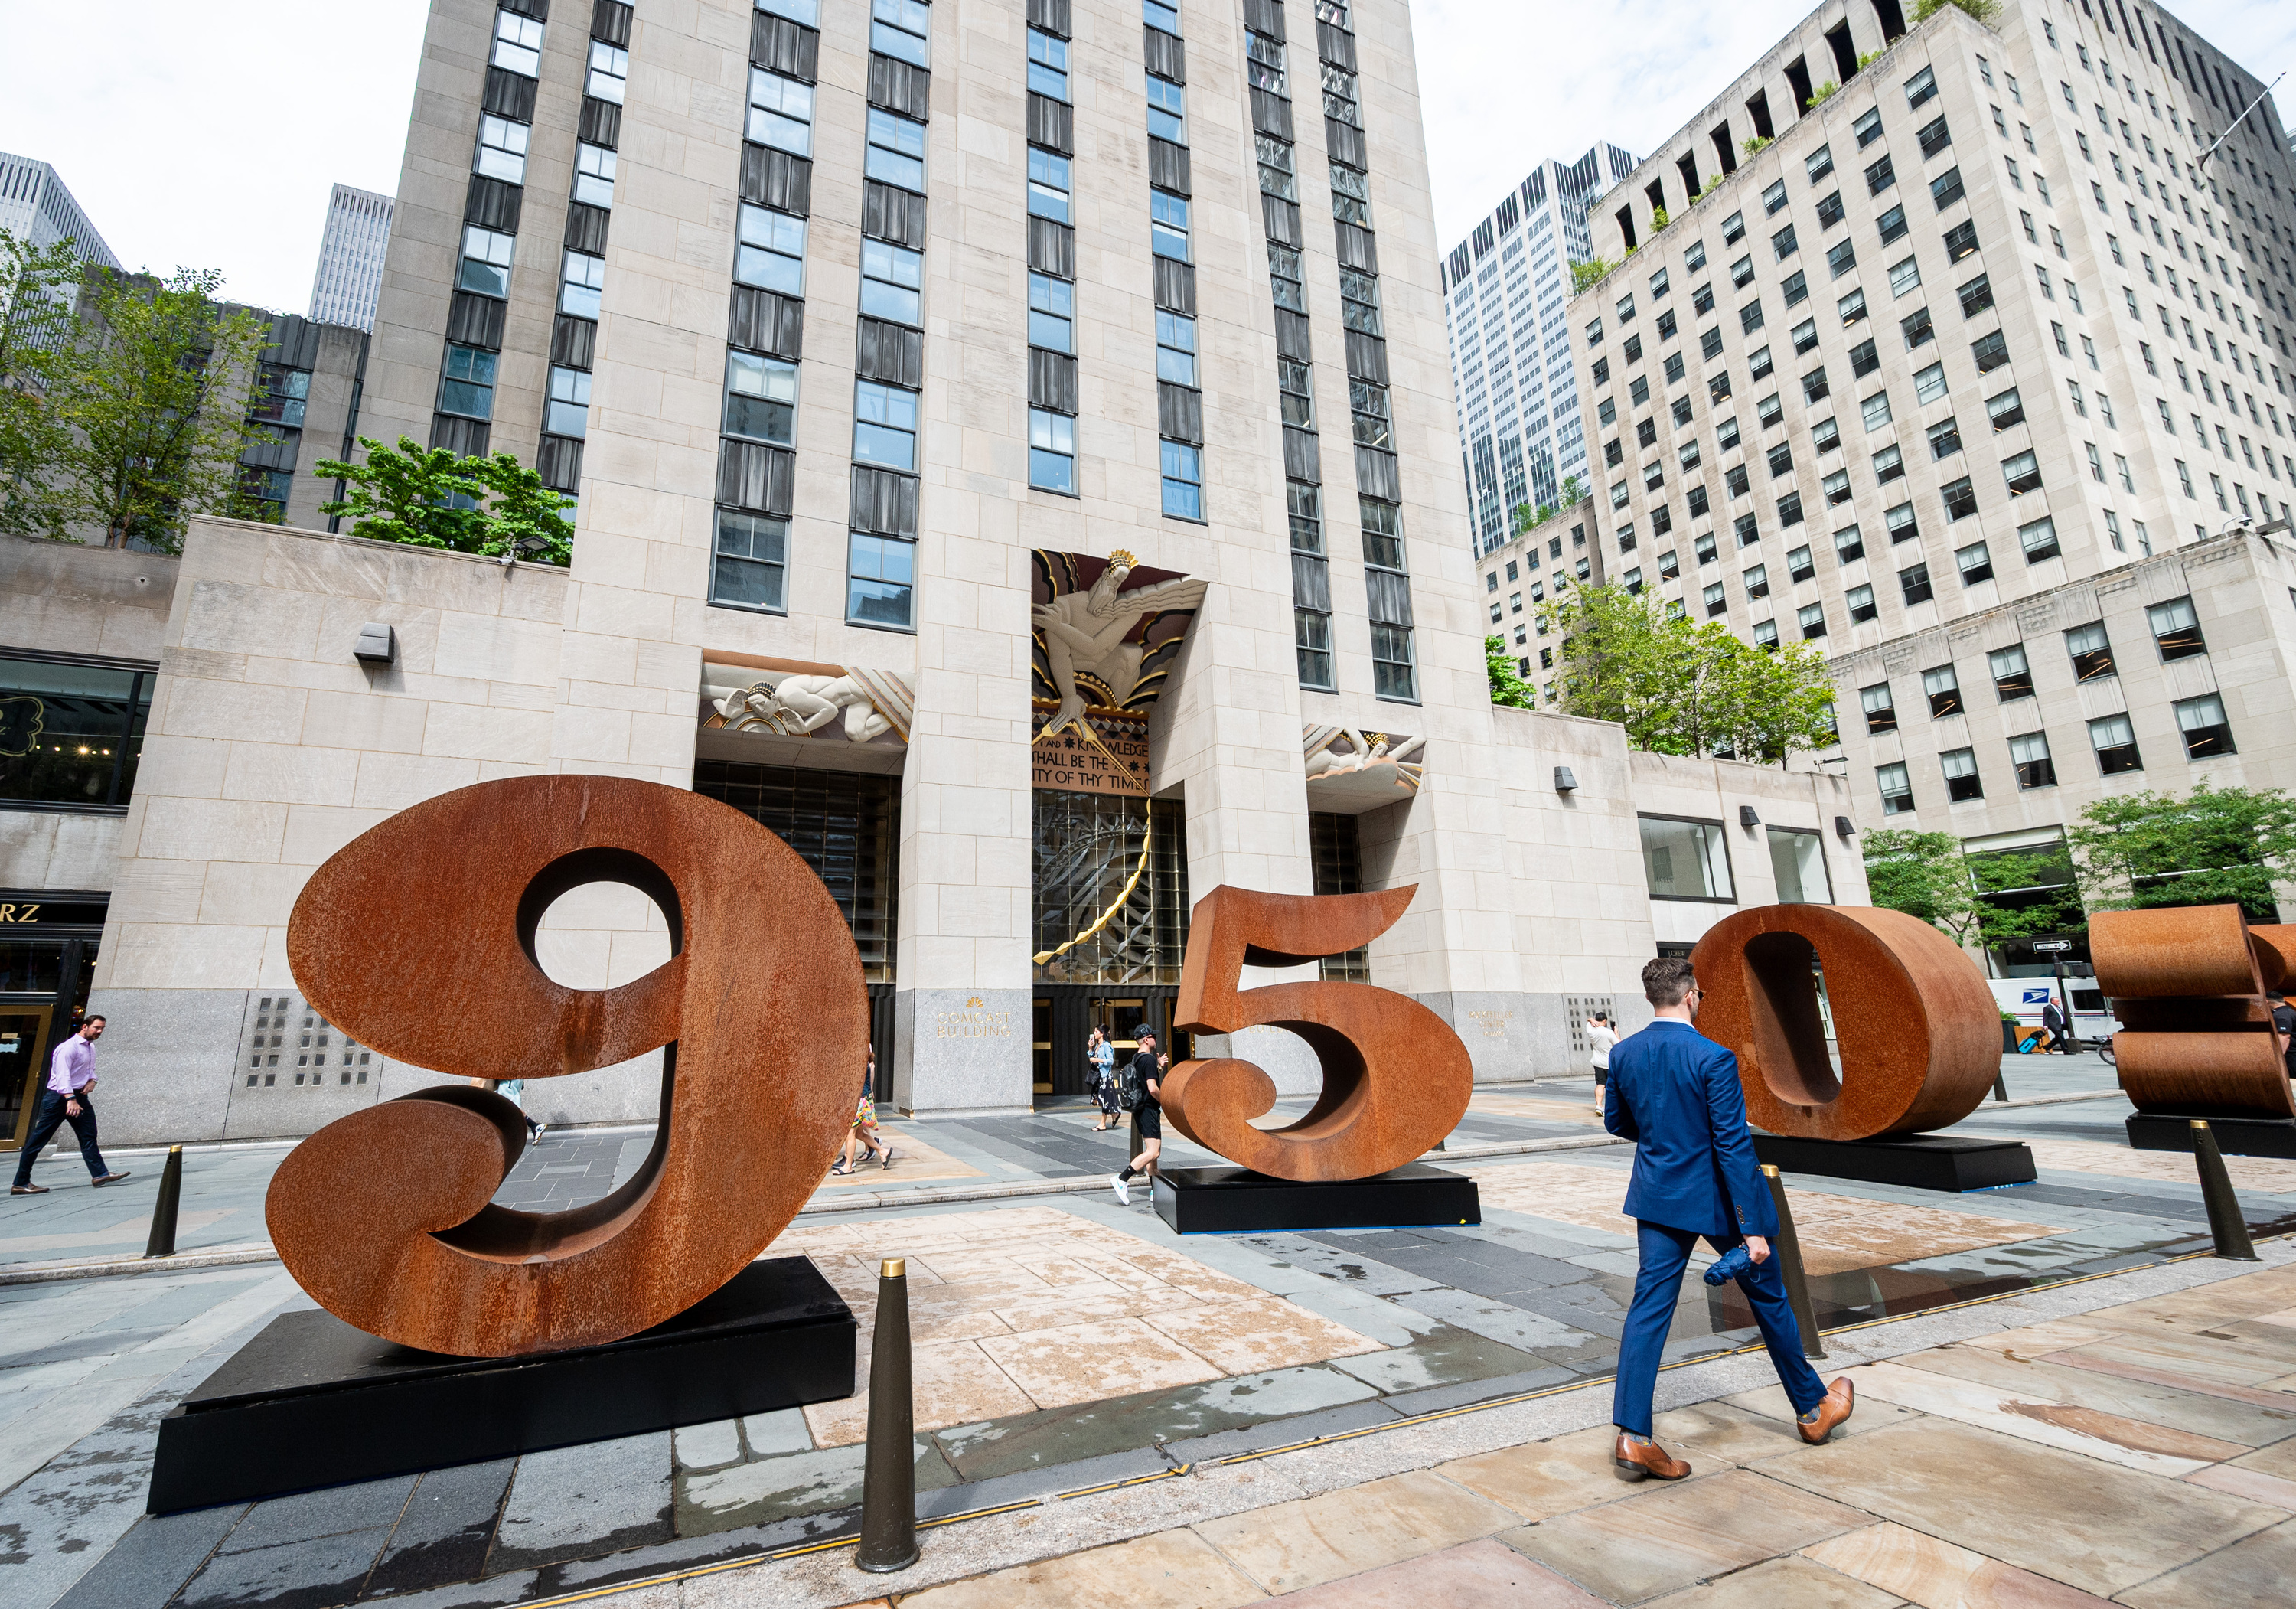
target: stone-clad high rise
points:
(1963, 351)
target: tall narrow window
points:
(750, 562)
(880, 584)
(1183, 479)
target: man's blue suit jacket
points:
(1674, 1093)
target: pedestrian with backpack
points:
(1139, 1091)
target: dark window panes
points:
(2091, 652)
(70, 734)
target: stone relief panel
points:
(1350, 770)
(795, 698)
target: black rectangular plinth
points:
(1229, 1200)
(2235, 1136)
(1918, 1162)
(311, 1401)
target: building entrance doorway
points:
(1065, 1016)
(23, 1059)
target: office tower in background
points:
(351, 253)
(1962, 352)
(36, 206)
(1505, 287)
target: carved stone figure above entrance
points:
(1106, 632)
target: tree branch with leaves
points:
(429, 497)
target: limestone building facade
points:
(1015, 463)
(1953, 333)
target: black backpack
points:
(1131, 1089)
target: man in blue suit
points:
(1674, 1093)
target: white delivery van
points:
(2092, 1019)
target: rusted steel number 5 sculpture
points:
(417, 939)
(1918, 1031)
(1395, 1078)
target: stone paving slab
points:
(1448, 1318)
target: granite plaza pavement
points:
(1117, 1391)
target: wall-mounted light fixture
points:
(1564, 782)
(377, 645)
(1746, 816)
(1841, 825)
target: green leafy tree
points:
(1921, 875)
(2215, 846)
(1507, 685)
(1571, 491)
(1618, 663)
(1526, 516)
(429, 497)
(1588, 273)
(1680, 686)
(1986, 12)
(1780, 702)
(37, 286)
(1976, 900)
(147, 400)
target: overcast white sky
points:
(208, 134)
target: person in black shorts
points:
(1144, 1075)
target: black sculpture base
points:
(311, 1401)
(1214, 1200)
(1917, 1162)
(2235, 1136)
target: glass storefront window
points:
(1798, 860)
(1685, 859)
(69, 733)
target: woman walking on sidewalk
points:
(1100, 1055)
(863, 1136)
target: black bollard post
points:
(889, 1478)
(1788, 1251)
(162, 1243)
(2000, 1087)
(2227, 1224)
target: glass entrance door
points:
(23, 1058)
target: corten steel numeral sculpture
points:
(2192, 987)
(418, 939)
(1919, 1038)
(1396, 1077)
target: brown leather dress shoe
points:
(1840, 1400)
(27, 1189)
(109, 1179)
(1636, 1461)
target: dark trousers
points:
(52, 1116)
(1665, 1253)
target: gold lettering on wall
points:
(973, 1024)
(1493, 1024)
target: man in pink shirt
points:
(70, 1098)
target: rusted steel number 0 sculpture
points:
(417, 939)
(1918, 1031)
(1395, 1078)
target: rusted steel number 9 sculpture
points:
(1918, 1030)
(417, 939)
(1395, 1078)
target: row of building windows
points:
(757, 470)
(2201, 727)
(1266, 68)
(2176, 636)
